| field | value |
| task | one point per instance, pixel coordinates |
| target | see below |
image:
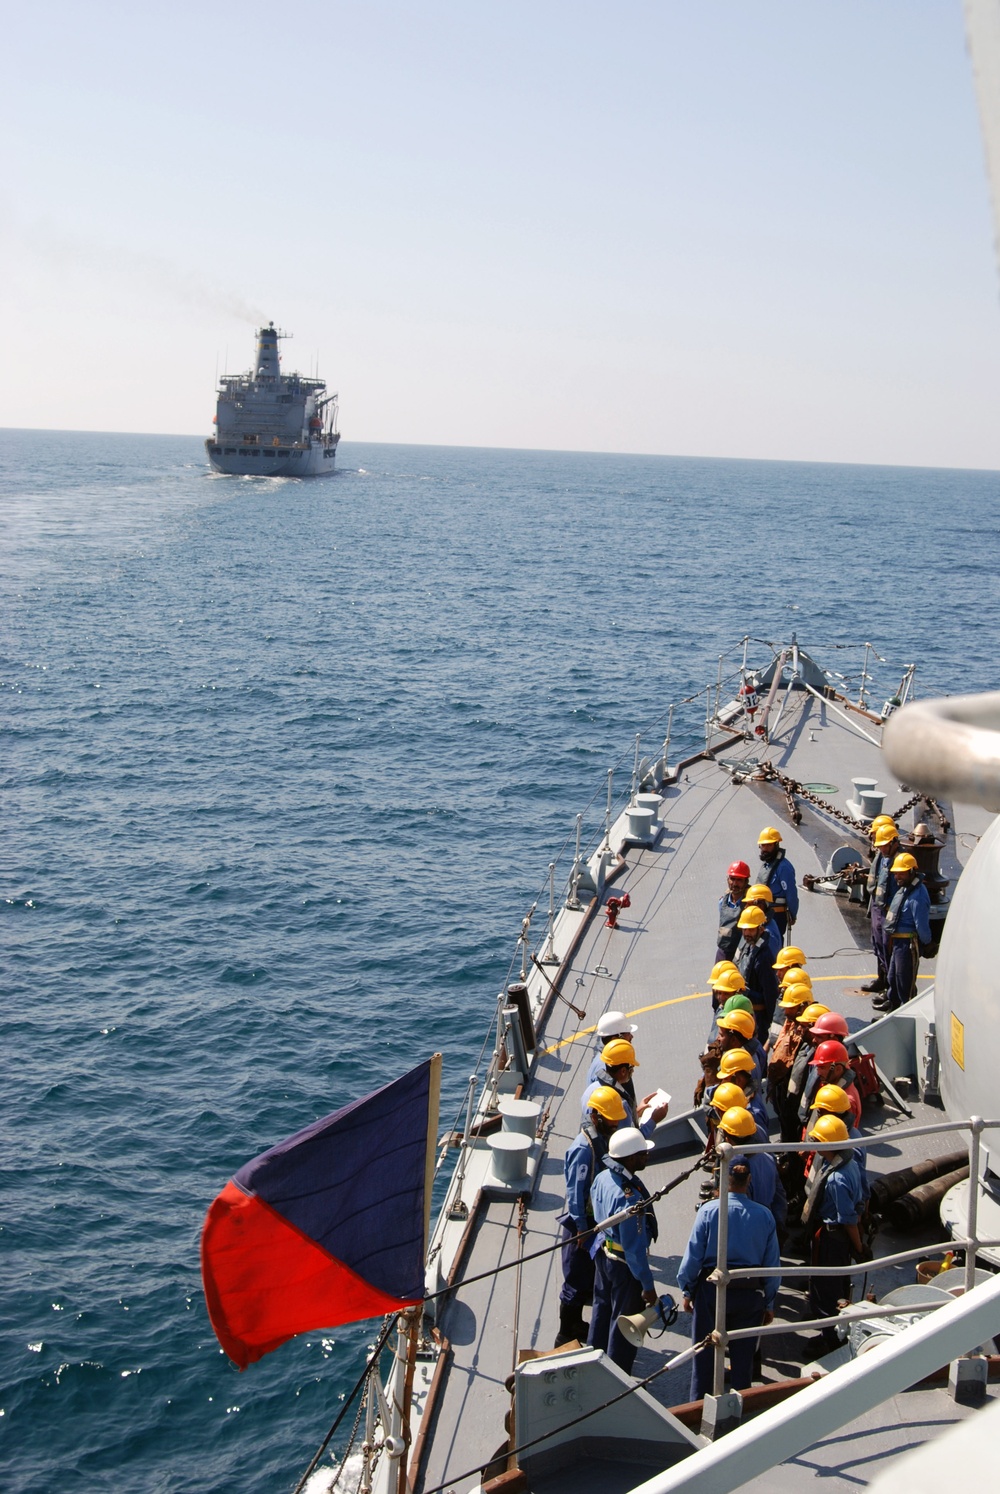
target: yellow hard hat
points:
(730, 981)
(831, 1097)
(751, 918)
(769, 836)
(728, 1097)
(737, 1122)
(904, 862)
(736, 1061)
(879, 821)
(797, 994)
(718, 968)
(885, 835)
(740, 1022)
(619, 1050)
(758, 893)
(808, 1017)
(607, 1102)
(791, 954)
(795, 976)
(829, 1128)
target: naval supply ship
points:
(271, 424)
(475, 1398)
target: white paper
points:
(660, 1098)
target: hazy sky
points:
(712, 227)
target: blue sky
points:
(715, 228)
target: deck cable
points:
(520, 1260)
(514, 1452)
(370, 1367)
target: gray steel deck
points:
(654, 966)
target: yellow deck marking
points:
(695, 995)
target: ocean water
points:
(284, 764)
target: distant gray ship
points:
(270, 424)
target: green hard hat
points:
(739, 1003)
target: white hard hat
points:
(628, 1142)
(612, 1023)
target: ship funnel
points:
(267, 353)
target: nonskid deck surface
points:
(654, 966)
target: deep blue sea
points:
(283, 767)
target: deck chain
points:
(795, 790)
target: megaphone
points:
(635, 1325)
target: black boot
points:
(571, 1325)
(876, 985)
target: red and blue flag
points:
(327, 1227)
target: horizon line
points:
(535, 450)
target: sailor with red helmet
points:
(730, 908)
(830, 1064)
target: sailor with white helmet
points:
(581, 1164)
(778, 873)
(611, 1025)
(623, 1281)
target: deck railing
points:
(724, 1274)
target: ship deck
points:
(654, 966)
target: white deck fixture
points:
(949, 747)
(786, 1430)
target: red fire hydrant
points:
(614, 907)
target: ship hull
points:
(265, 461)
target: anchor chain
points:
(795, 790)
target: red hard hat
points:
(739, 869)
(831, 1024)
(830, 1052)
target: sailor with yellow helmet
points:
(907, 927)
(760, 896)
(832, 1215)
(885, 848)
(583, 1160)
(778, 873)
(755, 962)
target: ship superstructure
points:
(272, 424)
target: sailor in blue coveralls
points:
(739, 1125)
(581, 1164)
(832, 1100)
(907, 926)
(832, 1215)
(623, 1281)
(612, 1025)
(738, 1029)
(879, 893)
(753, 1241)
(778, 873)
(730, 908)
(760, 896)
(618, 1063)
(737, 1065)
(755, 963)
